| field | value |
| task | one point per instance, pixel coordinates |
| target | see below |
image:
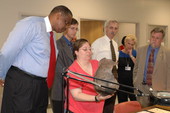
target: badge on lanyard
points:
(127, 68)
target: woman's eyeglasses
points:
(86, 49)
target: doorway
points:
(91, 29)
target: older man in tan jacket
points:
(160, 76)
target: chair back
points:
(127, 107)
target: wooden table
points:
(150, 108)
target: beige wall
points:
(125, 29)
(143, 12)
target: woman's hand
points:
(131, 56)
(78, 95)
(130, 52)
(100, 97)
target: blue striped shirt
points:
(27, 47)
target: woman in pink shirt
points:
(82, 96)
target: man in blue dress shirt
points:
(24, 62)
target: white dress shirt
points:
(101, 48)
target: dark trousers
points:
(109, 104)
(123, 97)
(23, 93)
(57, 106)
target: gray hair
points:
(107, 23)
(110, 21)
(158, 30)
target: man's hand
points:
(1, 82)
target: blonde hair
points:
(130, 37)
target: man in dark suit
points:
(64, 60)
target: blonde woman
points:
(125, 68)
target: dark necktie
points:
(114, 70)
(52, 62)
(150, 68)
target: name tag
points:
(128, 68)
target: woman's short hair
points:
(77, 45)
(123, 40)
(130, 37)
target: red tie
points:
(52, 63)
(150, 68)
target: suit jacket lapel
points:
(159, 58)
(67, 49)
(144, 54)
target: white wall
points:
(125, 29)
(143, 12)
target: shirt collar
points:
(153, 48)
(48, 24)
(108, 39)
(67, 41)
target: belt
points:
(144, 83)
(28, 74)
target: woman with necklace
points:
(82, 96)
(125, 68)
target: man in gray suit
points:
(64, 60)
(161, 66)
